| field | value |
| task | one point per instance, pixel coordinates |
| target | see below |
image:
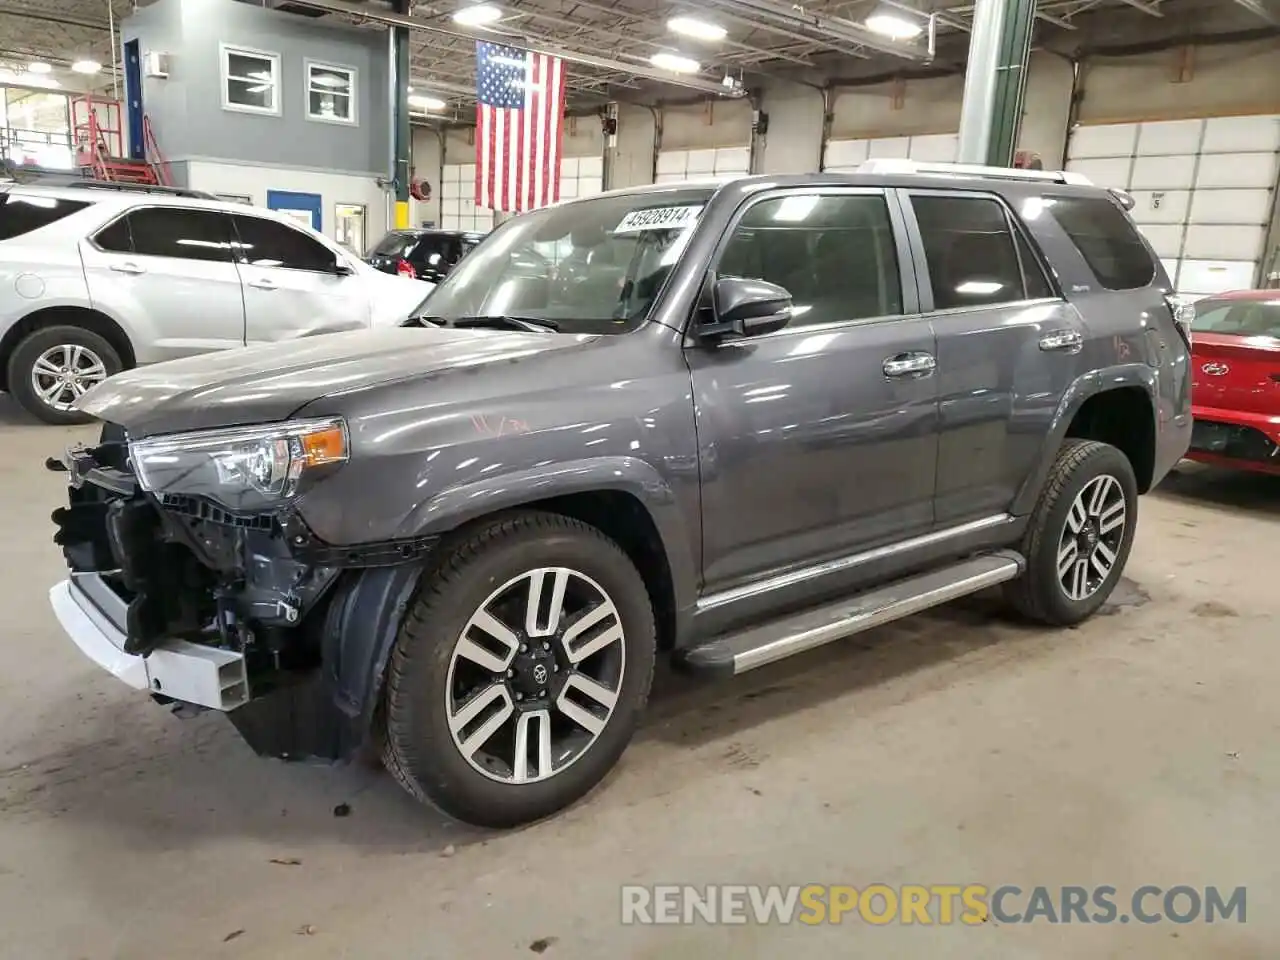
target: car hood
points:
(392, 298)
(269, 382)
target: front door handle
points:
(915, 364)
(262, 284)
(1068, 341)
(127, 267)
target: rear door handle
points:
(262, 284)
(909, 365)
(1063, 340)
(130, 268)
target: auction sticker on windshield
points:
(658, 218)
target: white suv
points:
(96, 278)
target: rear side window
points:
(21, 214)
(974, 256)
(170, 232)
(1107, 240)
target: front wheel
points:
(53, 367)
(520, 672)
(1080, 535)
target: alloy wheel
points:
(535, 675)
(1091, 537)
(64, 373)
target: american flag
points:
(519, 128)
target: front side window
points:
(266, 243)
(21, 214)
(250, 81)
(833, 253)
(972, 254)
(1106, 238)
(331, 93)
(170, 232)
(593, 266)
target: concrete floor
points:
(952, 748)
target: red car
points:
(1235, 391)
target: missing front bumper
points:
(187, 672)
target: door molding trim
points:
(791, 578)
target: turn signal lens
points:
(328, 445)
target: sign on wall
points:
(303, 207)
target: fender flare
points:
(365, 611)
(1083, 388)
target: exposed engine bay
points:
(251, 590)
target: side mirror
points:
(747, 308)
(343, 269)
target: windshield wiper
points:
(530, 324)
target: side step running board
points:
(758, 645)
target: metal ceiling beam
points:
(847, 30)
(1258, 9)
(360, 12)
(1148, 8)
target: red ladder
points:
(99, 138)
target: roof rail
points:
(72, 180)
(894, 165)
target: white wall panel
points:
(844, 156)
(677, 165)
(1202, 188)
(458, 211)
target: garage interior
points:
(953, 747)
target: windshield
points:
(1245, 318)
(593, 266)
(394, 244)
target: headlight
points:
(245, 469)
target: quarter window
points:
(250, 81)
(265, 243)
(21, 214)
(972, 254)
(1106, 239)
(833, 253)
(170, 232)
(331, 93)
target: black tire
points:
(25, 355)
(418, 747)
(1040, 594)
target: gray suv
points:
(721, 423)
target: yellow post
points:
(402, 214)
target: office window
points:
(266, 243)
(970, 249)
(833, 253)
(250, 81)
(331, 93)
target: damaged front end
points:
(193, 575)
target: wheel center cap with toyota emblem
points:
(1215, 369)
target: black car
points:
(422, 254)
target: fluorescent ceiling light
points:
(477, 14)
(427, 103)
(38, 66)
(675, 63)
(698, 29)
(893, 27)
(86, 66)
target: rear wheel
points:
(55, 366)
(520, 672)
(1080, 535)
